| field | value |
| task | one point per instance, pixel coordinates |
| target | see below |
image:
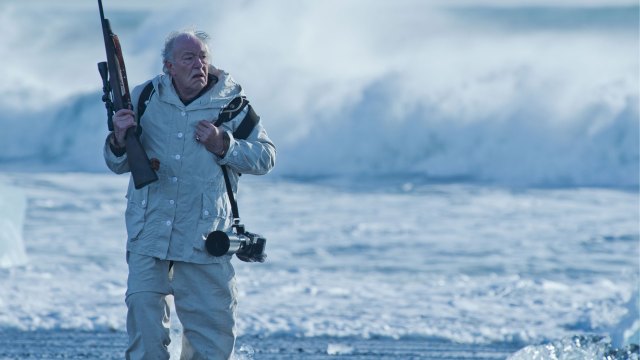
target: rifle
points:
(116, 96)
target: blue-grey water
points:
(430, 264)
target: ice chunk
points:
(579, 347)
(12, 213)
(339, 349)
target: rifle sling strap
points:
(143, 100)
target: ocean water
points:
(538, 94)
(454, 180)
(456, 263)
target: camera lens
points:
(217, 243)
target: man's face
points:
(189, 68)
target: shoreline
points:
(83, 344)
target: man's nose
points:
(199, 62)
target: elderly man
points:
(168, 220)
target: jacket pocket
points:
(137, 203)
(213, 216)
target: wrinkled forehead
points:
(188, 43)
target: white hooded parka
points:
(170, 218)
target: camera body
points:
(248, 247)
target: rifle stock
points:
(139, 163)
(116, 97)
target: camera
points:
(248, 247)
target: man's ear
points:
(169, 66)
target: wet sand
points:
(75, 344)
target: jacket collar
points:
(225, 90)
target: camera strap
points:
(232, 199)
(244, 129)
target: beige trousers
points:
(205, 301)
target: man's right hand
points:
(122, 120)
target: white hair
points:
(169, 43)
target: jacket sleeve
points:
(256, 155)
(117, 164)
